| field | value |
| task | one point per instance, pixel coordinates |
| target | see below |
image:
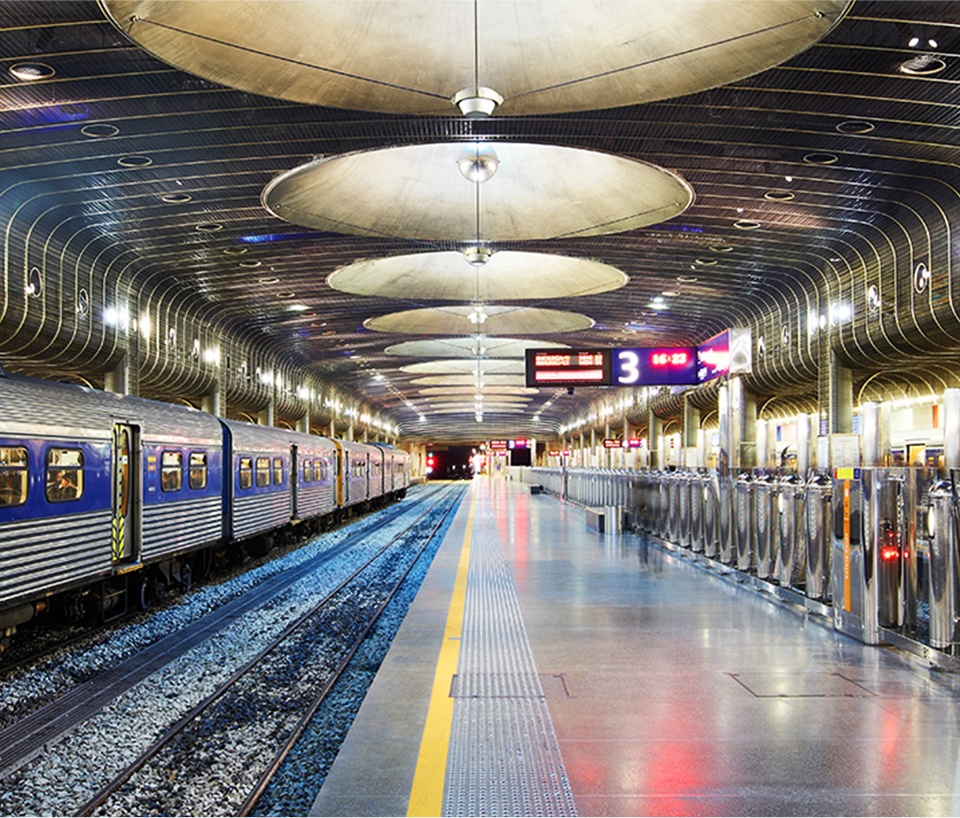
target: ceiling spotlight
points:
(477, 102)
(478, 316)
(478, 162)
(914, 42)
(477, 256)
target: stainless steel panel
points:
(791, 568)
(42, 555)
(259, 513)
(767, 526)
(746, 522)
(172, 527)
(942, 540)
(817, 525)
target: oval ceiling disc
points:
(415, 57)
(447, 276)
(466, 366)
(477, 346)
(494, 320)
(418, 192)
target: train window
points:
(324, 467)
(278, 471)
(171, 471)
(246, 472)
(64, 475)
(13, 476)
(307, 471)
(263, 471)
(198, 470)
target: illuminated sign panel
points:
(498, 444)
(713, 357)
(726, 353)
(657, 366)
(568, 367)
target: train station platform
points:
(548, 669)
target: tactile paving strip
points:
(504, 758)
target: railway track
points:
(302, 650)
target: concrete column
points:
(655, 440)
(725, 416)
(213, 402)
(691, 426)
(870, 434)
(835, 394)
(350, 432)
(763, 445)
(117, 380)
(804, 450)
(743, 407)
(303, 425)
(593, 448)
(333, 429)
(268, 416)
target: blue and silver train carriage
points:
(95, 486)
(396, 470)
(107, 500)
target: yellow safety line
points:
(426, 793)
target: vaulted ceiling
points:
(822, 213)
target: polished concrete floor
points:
(671, 691)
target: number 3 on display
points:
(628, 366)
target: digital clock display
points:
(645, 366)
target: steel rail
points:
(304, 722)
(109, 789)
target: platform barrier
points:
(880, 547)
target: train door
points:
(125, 528)
(294, 481)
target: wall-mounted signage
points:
(497, 444)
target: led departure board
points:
(568, 367)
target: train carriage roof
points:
(29, 406)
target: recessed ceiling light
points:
(97, 130)
(705, 262)
(285, 295)
(855, 126)
(234, 251)
(721, 248)
(134, 161)
(686, 279)
(176, 198)
(268, 281)
(818, 158)
(746, 224)
(209, 227)
(923, 65)
(250, 263)
(778, 195)
(671, 293)
(32, 71)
